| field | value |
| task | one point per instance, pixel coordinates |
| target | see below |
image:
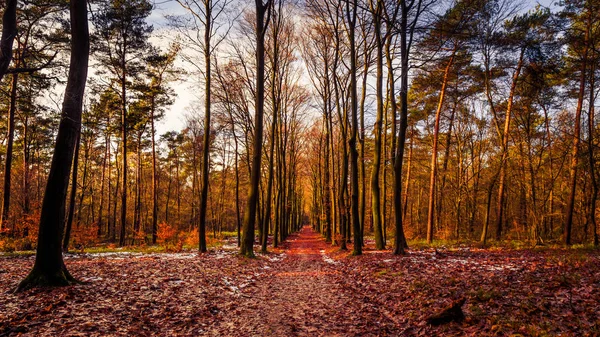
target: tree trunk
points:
(575, 148)
(375, 189)
(102, 183)
(124, 150)
(67, 237)
(507, 118)
(9, 32)
(9, 150)
(434, 153)
(591, 154)
(206, 138)
(154, 178)
(361, 161)
(354, 174)
(49, 268)
(247, 248)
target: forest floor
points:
(309, 288)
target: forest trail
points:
(307, 287)
(305, 294)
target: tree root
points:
(39, 278)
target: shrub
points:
(23, 244)
(166, 233)
(7, 245)
(83, 236)
(191, 238)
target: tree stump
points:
(453, 312)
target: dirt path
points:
(304, 294)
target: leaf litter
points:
(309, 288)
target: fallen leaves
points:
(309, 289)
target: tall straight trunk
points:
(116, 195)
(109, 218)
(138, 188)
(268, 201)
(476, 172)
(237, 176)
(568, 224)
(445, 167)
(327, 181)
(333, 174)
(178, 189)
(434, 152)
(406, 34)
(84, 182)
(65, 244)
(9, 32)
(102, 184)
(206, 138)
(375, 189)
(49, 268)
(354, 174)
(488, 207)
(26, 162)
(247, 248)
(393, 112)
(408, 177)
(193, 212)
(361, 160)
(168, 196)
(384, 170)
(591, 154)
(9, 150)
(275, 98)
(504, 159)
(154, 177)
(123, 150)
(238, 220)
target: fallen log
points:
(453, 312)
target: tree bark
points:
(375, 189)
(206, 138)
(354, 174)
(247, 248)
(67, 237)
(504, 158)
(434, 153)
(9, 151)
(9, 32)
(49, 268)
(568, 224)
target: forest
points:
(343, 168)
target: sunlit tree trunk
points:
(434, 153)
(504, 156)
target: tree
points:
(408, 11)
(9, 31)
(583, 16)
(37, 30)
(49, 268)
(351, 20)
(449, 36)
(154, 97)
(203, 17)
(263, 14)
(123, 39)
